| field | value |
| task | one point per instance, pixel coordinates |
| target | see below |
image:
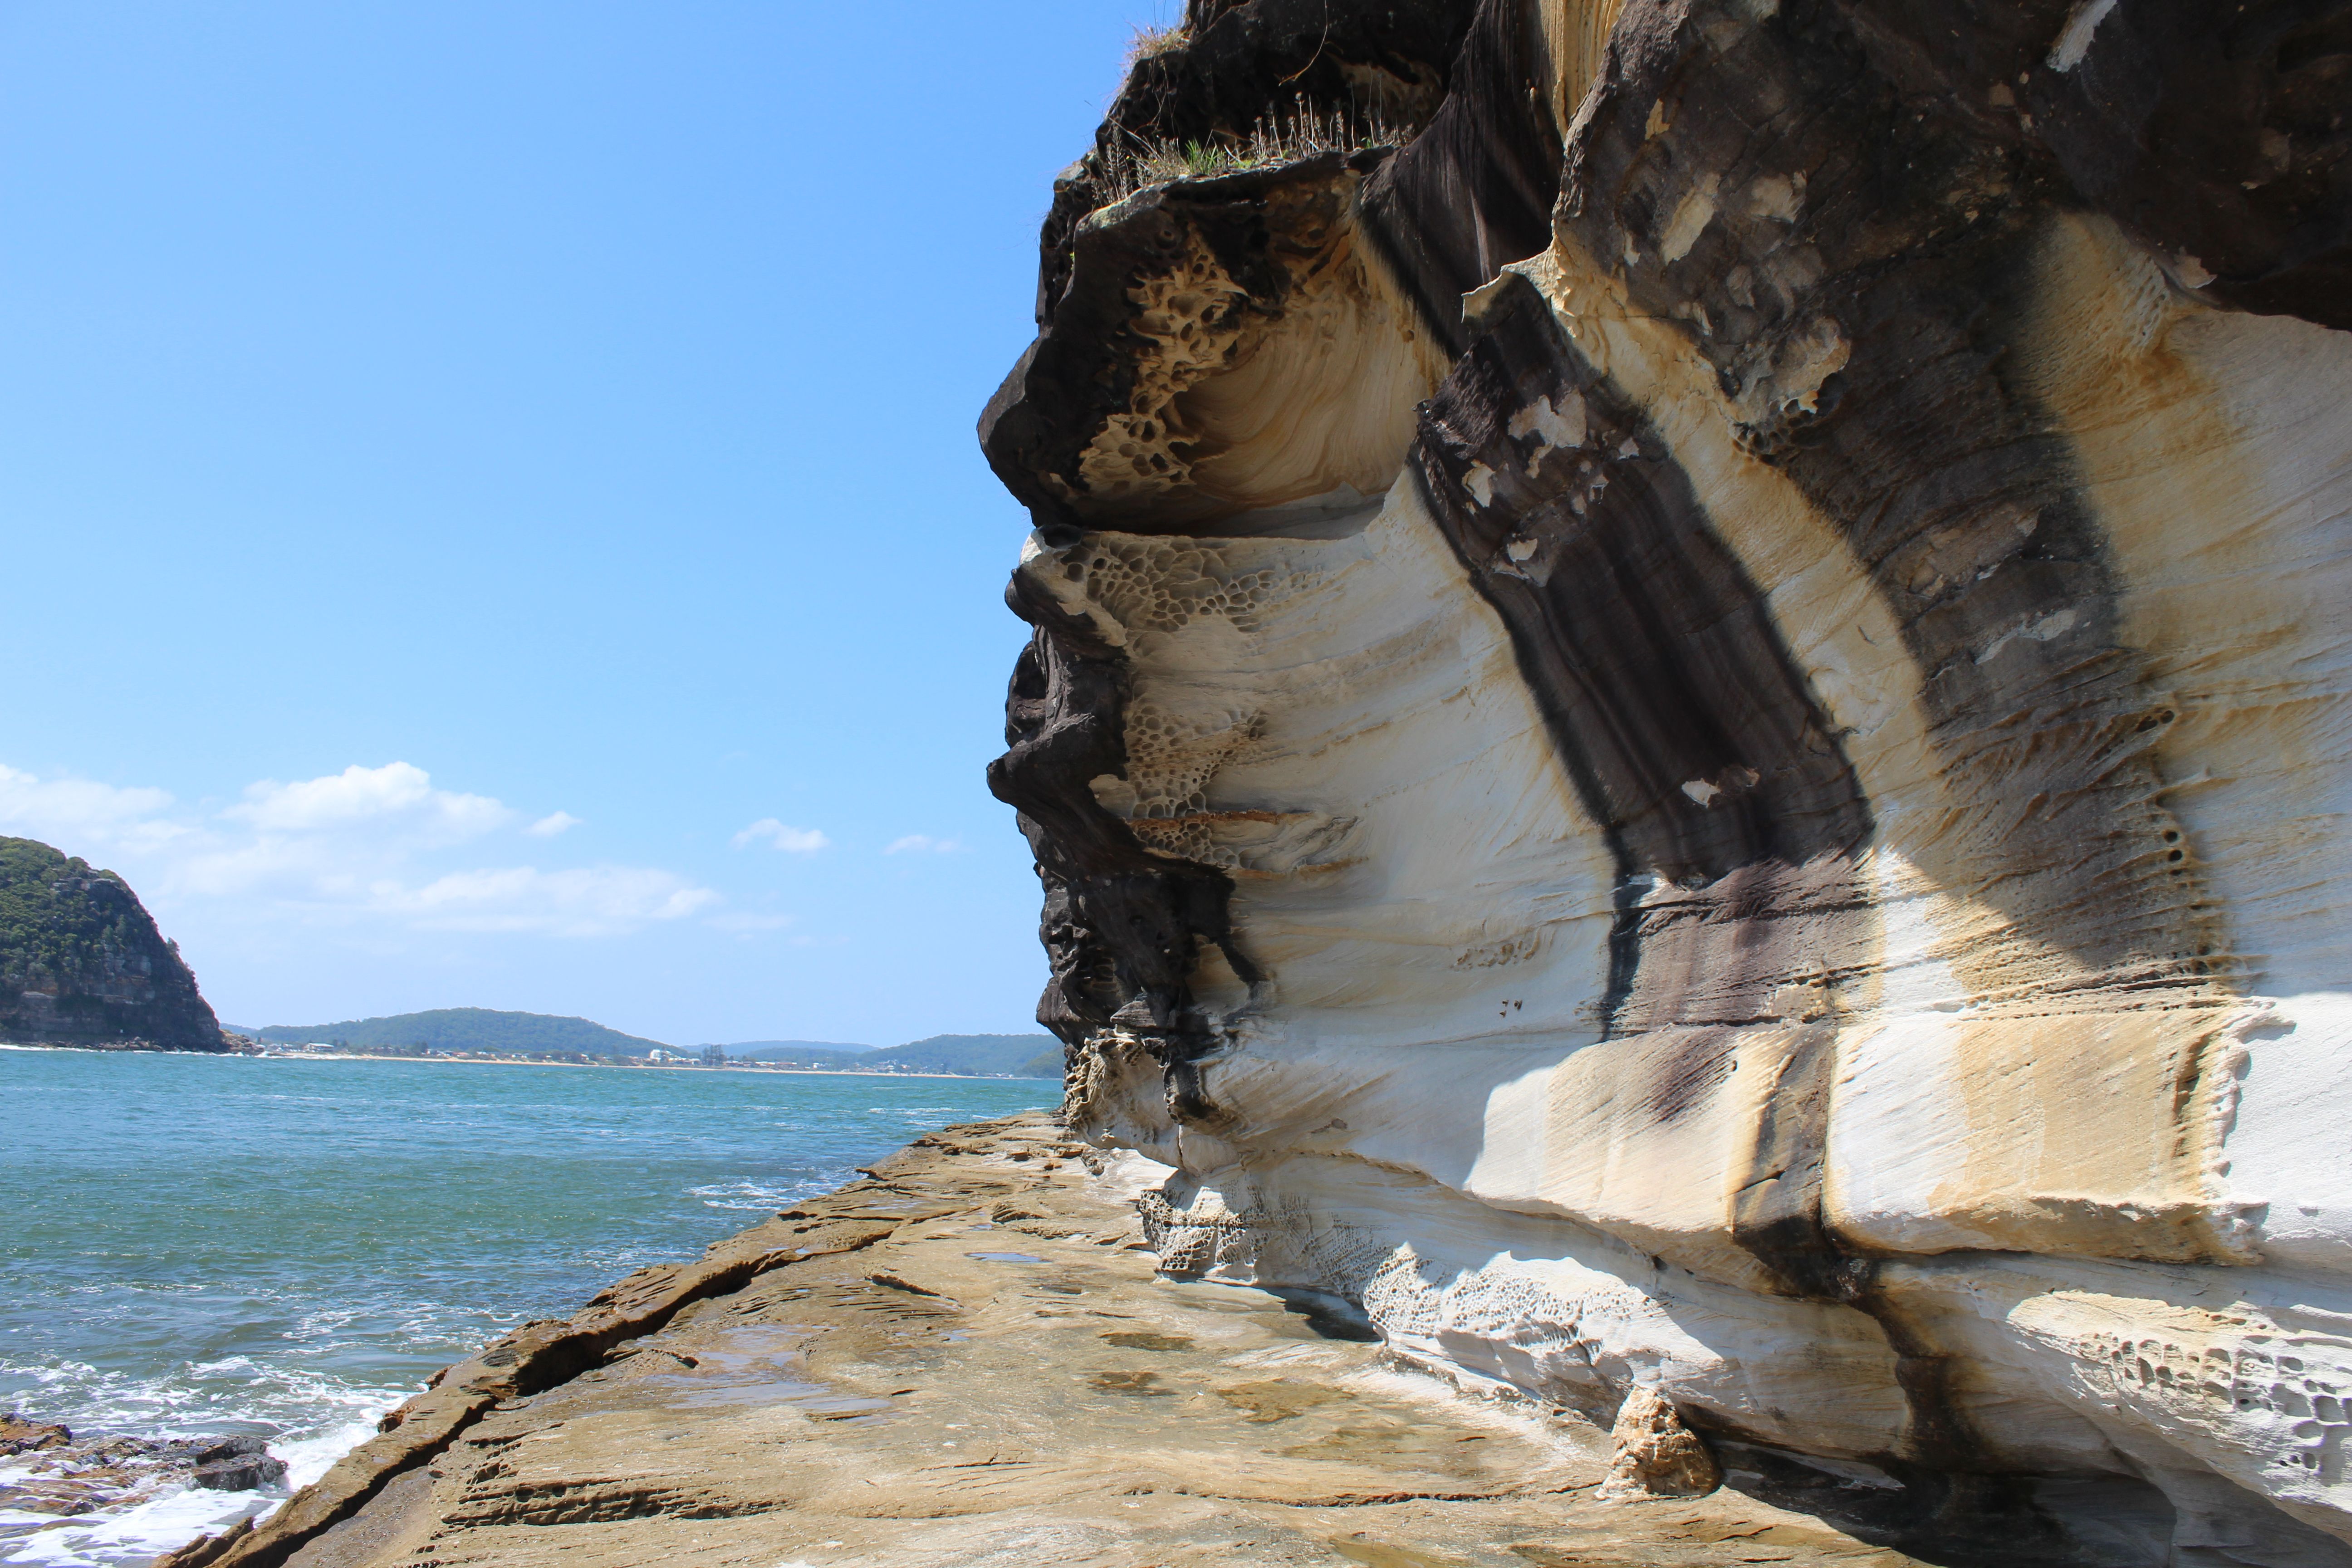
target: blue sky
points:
(491, 506)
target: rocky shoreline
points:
(970, 1357)
(48, 1476)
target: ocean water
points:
(198, 1246)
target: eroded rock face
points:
(81, 963)
(1691, 732)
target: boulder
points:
(237, 1464)
(1655, 1455)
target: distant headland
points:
(83, 964)
(483, 1034)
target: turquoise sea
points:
(287, 1248)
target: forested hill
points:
(484, 1029)
(966, 1056)
(467, 1029)
(81, 963)
(1014, 1055)
(793, 1050)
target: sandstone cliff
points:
(1688, 723)
(81, 963)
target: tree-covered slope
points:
(986, 1056)
(82, 963)
(484, 1029)
(975, 1056)
(800, 1052)
(469, 1030)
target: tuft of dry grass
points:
(1136, 163)
(1149, 41)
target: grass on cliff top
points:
(1135, 163)
(1150, 41)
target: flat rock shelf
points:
(969, 1358)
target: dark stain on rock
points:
(1954, 1494)
(1777, 1212)
(1277, 1399)
(1474, 191)
(1693, 743)
(1138, 1383)
(1858, 284)
(1686, 1067)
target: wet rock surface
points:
(47, 1475)
(969, 1358)
(22, 1435)
(237, 1464)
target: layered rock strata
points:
(968, 1360)
(1688, 734)
(81, 963)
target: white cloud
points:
(394, 792)
(350, 849)
(922, 844)
(791, 840)
(599, 900)
(93, 816)
(327, 840)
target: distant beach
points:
(279, 1055)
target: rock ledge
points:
(968, 1358)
